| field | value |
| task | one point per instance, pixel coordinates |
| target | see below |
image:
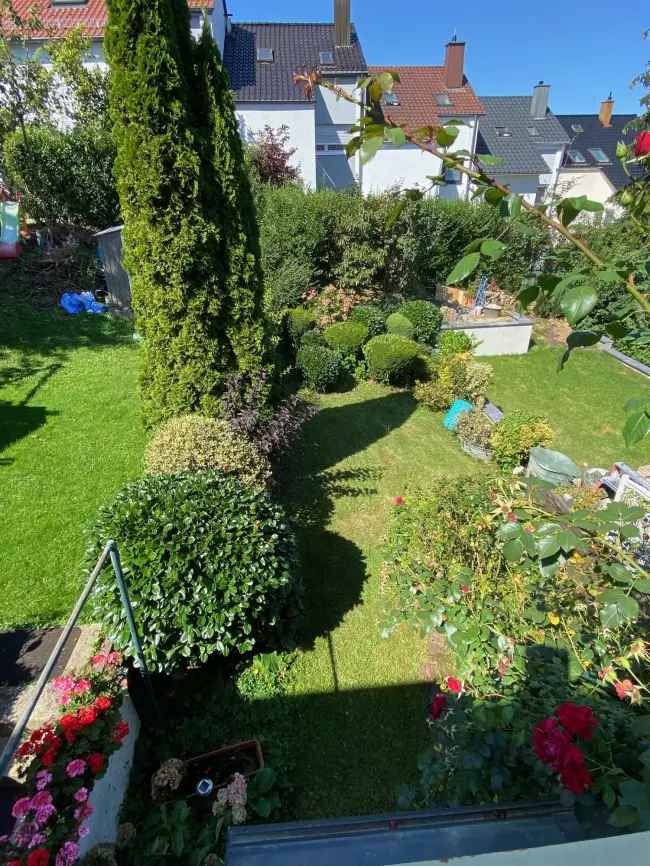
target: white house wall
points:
(590, 182)
(299, 118)
(552, 156)
(524, 185)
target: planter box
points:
(220, 765)
(476, 451)
(509, 336)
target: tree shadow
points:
(18, 421)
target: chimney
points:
(342, 29)
(454, 63)
(606, 110)
(539, 102)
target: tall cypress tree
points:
(197, 307)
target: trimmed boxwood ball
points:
(346, 337)
(396, 323)
(372, 317)
(210, 565)
(426, 319)
(320, 366)
(390, 357)
(299, 321)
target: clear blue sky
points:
(583, 48)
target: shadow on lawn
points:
(334, 569)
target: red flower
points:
(87, 715)
(103, 703)
(454, 685)
(625, 689)
(573, 773)
(512, 517)
(465, 588)
(69, 722)
(399, 500)
(579, 721)
(550, 742)
(39, 857)
(121, 730)
(48, 759)
(642, 144)
(13, 863)
(95, 762)
(438, 707)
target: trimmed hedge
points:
(390, 357)
(346, 337)
(426, 319)
(210, 564)
(397, 323)
(299, 321)
(372, 317)
(320, 366)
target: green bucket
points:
(551, 466)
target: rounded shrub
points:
(192, 443)
(312, 338)
(426, 319)
(516, 434)
(210, 564)
(299, 320)
(320, 366)
(346, 337)
(372, 317)
(390, 357)
(396, 323)
(453, 343)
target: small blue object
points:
(454, 413)
(80, 302)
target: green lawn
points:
(70, 435)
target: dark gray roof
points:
(295, 46)
(597, 135)
(521, 150)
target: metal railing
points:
(111, 552)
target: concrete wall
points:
(507, 338)
(299, 117)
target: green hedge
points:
(320, 366)
(346, 337)
(397, 323)
(426, 319)
(390, 357)
(372, 317)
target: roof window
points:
(503, 131)
(391, 99)
(577, 128)
(576, 156)
(265, 55)
(532, 130)
(443, 99)
(326, 58)
(599, 154)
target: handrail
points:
(111, 552)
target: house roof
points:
(594, 135)
(60, 19)
(416, 92)
(295, 47)
(520, 151)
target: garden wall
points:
(509, 337)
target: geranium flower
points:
(83, 832)
(76, 767)
(39, 857)
(579, 721)
(37, 839)
(550, 742)
(44, 813)
(21, 807)
(87, 716)
(454, 685)
(95, 762)
(43, 798)
(48, 759)
(84, 811)
(67, 855)
(438, 707)
(43, 779)
(625, 689)
(81, 687)
(99, 660)
(573, 773)
(103, 703)
(121, 731)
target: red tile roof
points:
(416, 93)
(58, 19)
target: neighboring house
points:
(426, 96)
(528, 137)
(590, 165)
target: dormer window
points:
(326, 58)
(532, 130)
(443, 99)
(391, 99)
(576, 156)
(577, 128)
(503, 131)
(265, 55)
(599, 154)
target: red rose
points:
(121, 730)
(642, 143)
(48, 759)
(550, 742)
(103, 703)
(95, 762)
(454, 685)
(87, 715)
(438, 707)
(579, 721)
(573, 773)
(39, 857)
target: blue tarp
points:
(454, 413)
(80, 302)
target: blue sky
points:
(583, 48)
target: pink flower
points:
(43, 798)
(77, 767)
(99, 660)
(454, 685)
(399, 500)
(81, 687)
(83, 832)
(63, 684)
(36, 840)
(44, 813)
(43, 779)
(84, 811)
(512, 517)
(67, 855)
(21, 807)
(81, 795)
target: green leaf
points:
(370, 147)
(493, 249)
(578, 302)
(642, 585)
(509, 530)
(396, 136)
(582, 338)
(466, 266)
(623, 816)
(568, 541)
(513, 550)
(489, 159)
(514, 205)
(628, 607)
(548, 546)
(386, 80)
(641, 726)
(446, 135)
(493, 196)
(636, 427)
(263, 807)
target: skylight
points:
(577, 127)
(391, 99)
(503, 131)
(532, 130)
(265, 55)
(326, 58)
(576, 156)
(599, 154)
(443, 99)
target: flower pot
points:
(220, 765)
(476, 451)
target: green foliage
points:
(346, 337)
(516, 434)
(65, 177)
(390, 357)
(437, 393)
(453, 343)
(190, 236)
(210, 565)
(285, 286)
(321, 367)
(193, 444)
(373, 317)
(397, 323)
(475, 428)
(299, 321)
(426, 319)
(453, 376)
(312, 338)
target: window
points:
(577, 127)
(337, 147)
(320, 147)
(265, 55)
(196, 20)
(576, 156)
(503, 131)
(391, 99)
(443, 99)
(326, 58)
(452, 175)
(599, 154)
(532, 130)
